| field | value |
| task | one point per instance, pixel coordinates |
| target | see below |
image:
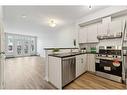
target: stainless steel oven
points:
(109, 67)
(109, 63)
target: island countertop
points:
(63, 55)
(58, 48)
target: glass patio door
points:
(9, 45)
(18, 45)
(33, 46)
(18, 48)
(26, 46)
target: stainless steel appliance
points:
(68, 70)
(109, 63)
(125, 64)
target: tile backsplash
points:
(88, 46)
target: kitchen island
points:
(65, 67)
(49, 51)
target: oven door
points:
(110, 67)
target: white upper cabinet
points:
(92, 33)
(115, 27)
(83, 35)
(102, 29)
(110, 28)
(88, 34)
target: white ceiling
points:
(41, 14)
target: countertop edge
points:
(58, 48)
(70, 55)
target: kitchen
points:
(86, 49)
(101, 53)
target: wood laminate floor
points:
(25, 73)
(91, 81)
(29, 72)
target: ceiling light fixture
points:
(23, 16)
(52, 23)
(90, 7)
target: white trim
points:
(102, 13)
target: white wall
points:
(2, 38)
(102, 13)
(66, 35)
(52, 37)
(45, 37)
(1, 12)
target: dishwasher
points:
(68, 70)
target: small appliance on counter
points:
(109, 63)
(83, 50)
(93, 49)
(88, 47)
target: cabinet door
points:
(115, 27)
(91, 62)
(83, 35)
(92, 33)
(55, 71)
(80, 64)
(83, 63)
(102, 29)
